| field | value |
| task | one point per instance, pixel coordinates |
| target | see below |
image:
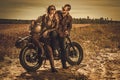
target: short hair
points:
(68, 5)
(48, 9)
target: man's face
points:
(65, 10)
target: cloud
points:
(31, 8)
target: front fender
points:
(32, 45)
(21, 42)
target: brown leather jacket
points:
(46, 23)
(65, 23)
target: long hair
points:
(48, 9)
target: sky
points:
(31, 9)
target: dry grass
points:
(9, 33)
(98, 42)
(104, 36)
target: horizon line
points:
(73, 17)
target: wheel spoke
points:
(75, 53)
(30, 56)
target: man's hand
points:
(66, 32)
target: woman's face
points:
(52, 10)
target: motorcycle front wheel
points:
(74, 53)
(29, 58)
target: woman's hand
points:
(45, 34)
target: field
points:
(100, 43)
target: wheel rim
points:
(30, 57)
(73, 54)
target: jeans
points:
(63, 51)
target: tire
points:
(23, 59)
(70, 53)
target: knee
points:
(54, 34)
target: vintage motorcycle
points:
(31, 60)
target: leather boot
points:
(64, 65)
(54, 69)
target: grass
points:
(92, 37)
(103, 36)
(9, 33)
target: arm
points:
(31, 25)
(70, 23)
(56, 20)
(34, 22)
(43, 22)
(39, 19)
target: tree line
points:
(14, 21)
(87, 20)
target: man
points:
(65, 25)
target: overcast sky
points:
(31, 9)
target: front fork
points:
(69, 44)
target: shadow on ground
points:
(48, 75)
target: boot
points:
(64, 64)
(53, 70)
(63, 61)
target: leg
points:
(35, 39)
(63, 52)
(54, 42)
(53, 36)
(51, 58)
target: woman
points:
(48, 24)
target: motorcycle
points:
(31, 60)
